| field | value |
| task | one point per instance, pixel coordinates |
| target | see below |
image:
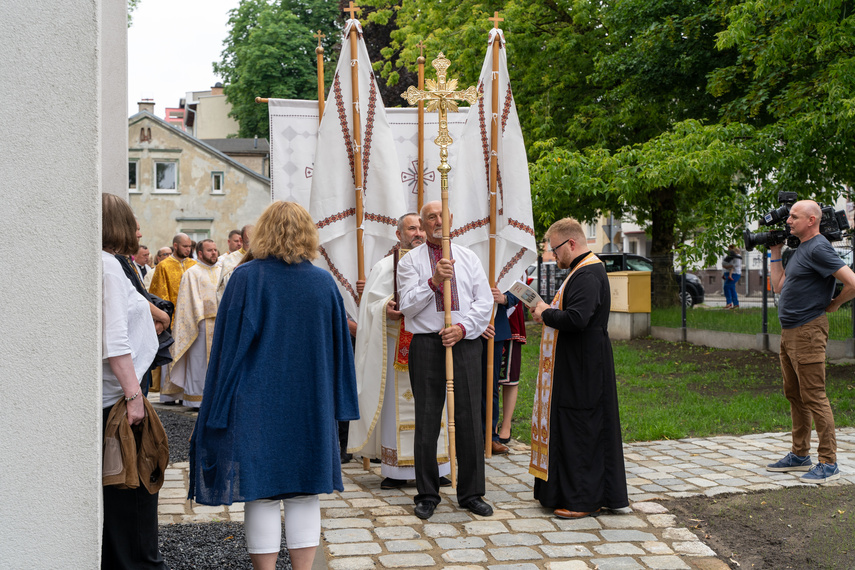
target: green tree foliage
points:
(270, 52)
(132, 5)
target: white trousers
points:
(263, 524)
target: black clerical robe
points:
(586, 467)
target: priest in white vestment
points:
(231, 260)
(193, 326)
(386, 427)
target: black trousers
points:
(130, 528)
(427, 375)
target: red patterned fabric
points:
(435, 252)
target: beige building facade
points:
(177, 183)
(206, 114)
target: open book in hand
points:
(525, 294)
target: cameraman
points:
(806, 289)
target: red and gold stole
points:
(539, 466)
(402, 346)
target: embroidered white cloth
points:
(469, 184)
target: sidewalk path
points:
(366, 527)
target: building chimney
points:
(146, 105)
(217, 89)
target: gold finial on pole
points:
(320, 52)
(442, 95)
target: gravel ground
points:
(209, 545)
(202, 545)
(178, 427)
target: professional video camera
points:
(831, 224)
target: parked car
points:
(633, 262)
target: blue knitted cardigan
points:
(280, 375)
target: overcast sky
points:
(171, 46)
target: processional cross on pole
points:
(442, 96)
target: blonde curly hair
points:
(286, 231)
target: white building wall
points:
(51, 168)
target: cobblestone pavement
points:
(366, 527)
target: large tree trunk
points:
(664, 215)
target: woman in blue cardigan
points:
(280, 376)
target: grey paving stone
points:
(570, 537)
(512, 567)
(461, 543)
(485, 527)
(403, 500)
(347, 535)
(450, 517)
(514, 553)
(565, 551)
(655, 547)
(676, 533)
(588, 523)
(356, 563)
(342, 513)
(567, 565)
(468, 555)
(626, 535)
(665, 563)
(397, 533)
(621, 521)
(618, 548)
(404, 520)
(534, 512)
(436, 530)
(649, 508)
(531, 525)
(521, 539)
(693, 548)
(407, 560)
(620, 563)
(357, 549)
(662, 521)
(408, 545)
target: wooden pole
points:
(420, 201)
(357, 138)
(320, 52)
(491, 276)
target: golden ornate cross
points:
(442, 96)
(320, 36)
(352, 9)
(422, 48)
(496, 19)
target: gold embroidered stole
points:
(539, 466)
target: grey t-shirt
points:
(809, 284)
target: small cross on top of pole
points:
(320, 36)
(352, 9)
(422, 48)
(495, 19)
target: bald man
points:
(806, 287)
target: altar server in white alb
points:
(421, 276)
(386, 425)
(193, 326)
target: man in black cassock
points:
(577, 454)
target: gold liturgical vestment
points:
(164, 284)
(193, 331)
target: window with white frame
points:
(133, 176)
(592, 231)
(217, 179)
(166, 176)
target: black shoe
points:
(345, 457)
(504, 440)
(389, 483)
(479, 507)
(424, 509)
(375, 460)
(444, 482)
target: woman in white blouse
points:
(129, 346)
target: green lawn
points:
(670, 391)
(744, 320)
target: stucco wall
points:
(193, 206)
(50, 363)
(212, 118)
